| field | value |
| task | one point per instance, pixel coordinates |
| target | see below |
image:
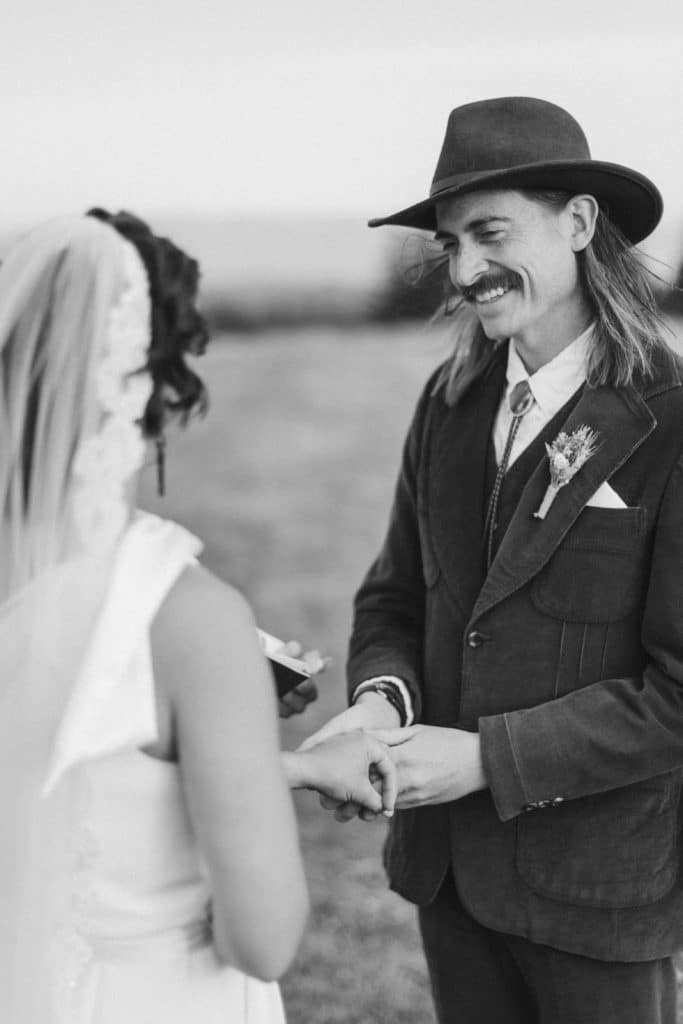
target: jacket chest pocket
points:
(598, 573)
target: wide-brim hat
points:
(523, 143)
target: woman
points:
(150, 867)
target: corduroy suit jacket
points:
(567, 657)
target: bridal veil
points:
(74, 333)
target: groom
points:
(535, 632)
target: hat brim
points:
(630, 199)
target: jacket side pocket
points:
(613, 850)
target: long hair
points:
(628, 330)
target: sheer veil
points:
(74, 332)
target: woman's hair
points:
(59, 288)
(177, 326)
(628, 330)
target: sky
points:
(300, 109)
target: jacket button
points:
(475, 639)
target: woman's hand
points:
(349, 768)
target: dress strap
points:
(112, 704)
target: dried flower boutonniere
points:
(566, 456)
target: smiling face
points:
(513, 258)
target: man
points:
(527, 605)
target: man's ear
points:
(583, 211)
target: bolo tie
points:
(520, 401)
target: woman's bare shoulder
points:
(198, 596)
(204, 626)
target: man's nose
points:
(466, 265)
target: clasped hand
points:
(348, 768)
(433, 765)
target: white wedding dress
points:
(136, 947)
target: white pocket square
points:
(606, 497)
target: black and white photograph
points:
(341, 512)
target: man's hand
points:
(297, 700)
(371, 711)
(434, 765)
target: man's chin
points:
(496, 331)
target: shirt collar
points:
(555, 382)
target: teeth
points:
(493, 293)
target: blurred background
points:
(261, 138)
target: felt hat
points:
(523, 143)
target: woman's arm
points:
(209, 665)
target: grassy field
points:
(288, 481)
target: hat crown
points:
(512, 131)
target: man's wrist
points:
(386, 715)
(392, 689)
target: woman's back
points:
(139, 943)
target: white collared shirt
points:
(551, 386)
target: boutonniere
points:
(566, 456)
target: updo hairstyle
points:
(177, 326)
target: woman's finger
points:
(330, 803)
(387, 769)
(348, 811)
(367, 815)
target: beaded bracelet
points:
(390, 693)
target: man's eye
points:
(491, 236)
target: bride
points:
(149, 867)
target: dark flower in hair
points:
(177, 326)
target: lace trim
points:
(106, 460)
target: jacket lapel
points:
(457, 484)
(623, 421)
